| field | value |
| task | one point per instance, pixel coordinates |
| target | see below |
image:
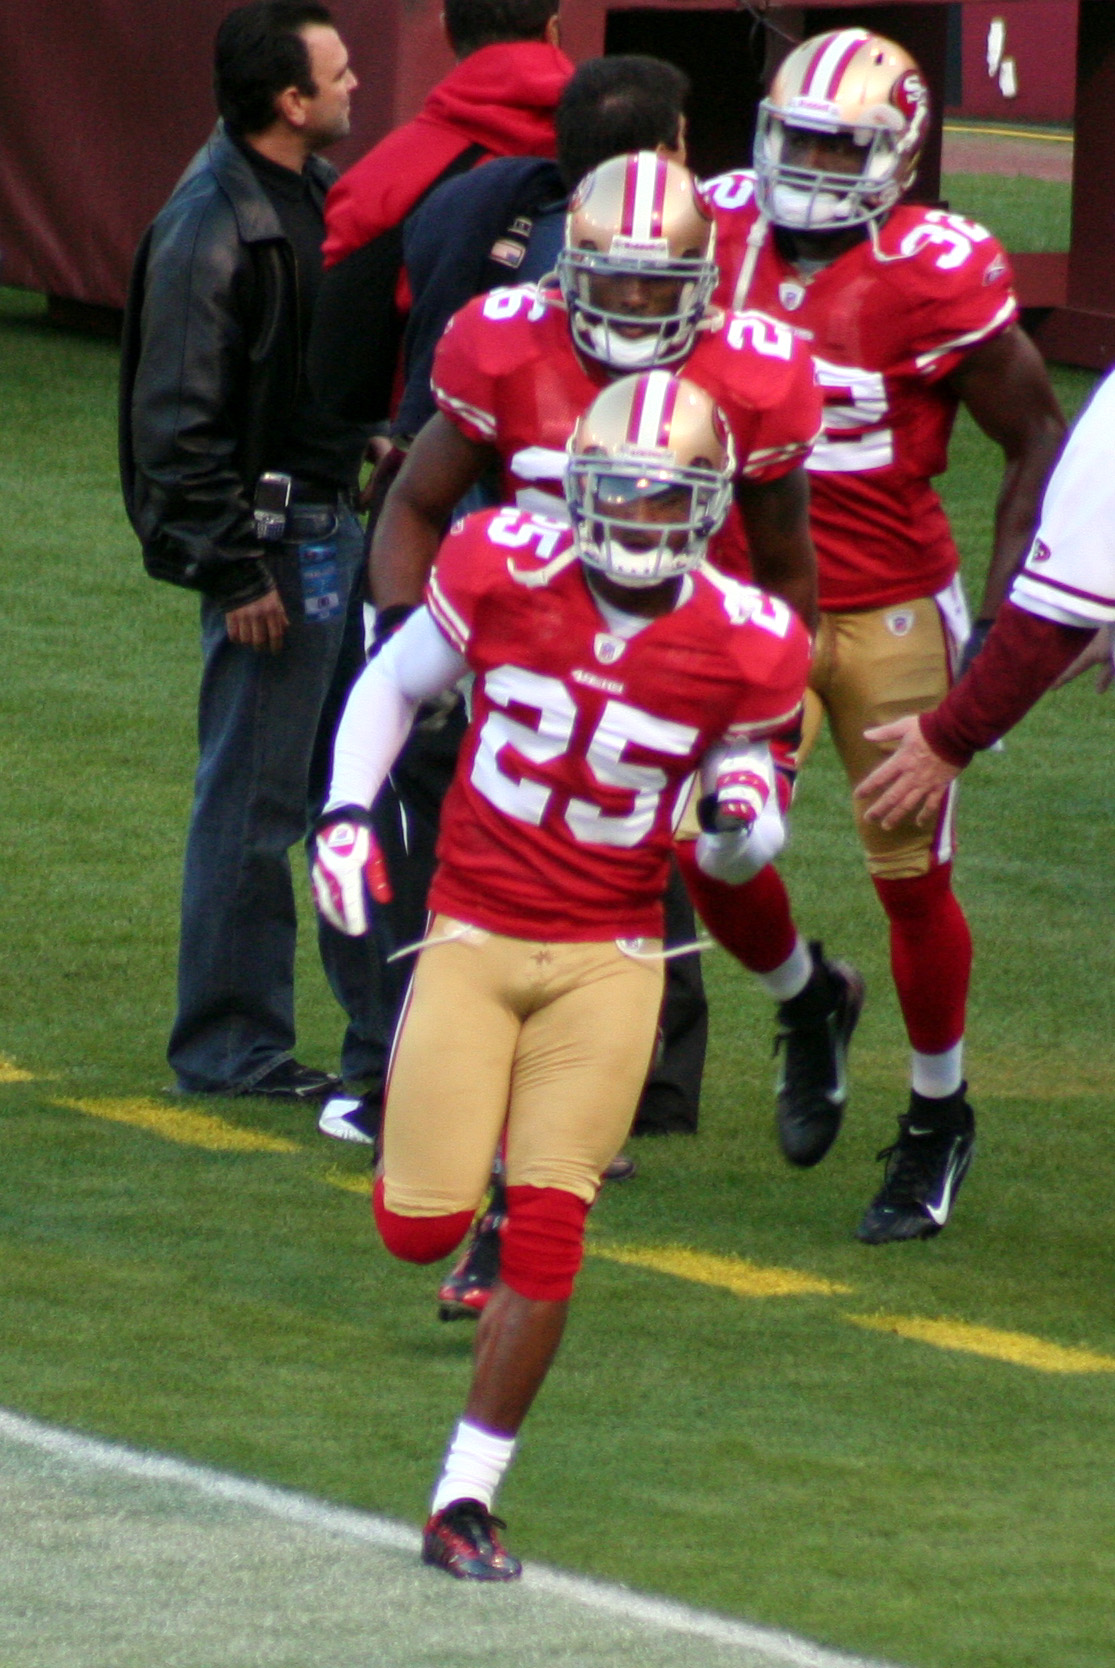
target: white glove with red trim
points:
(347, 869)
(737, 801)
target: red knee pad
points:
(418, 1239)
(542, 1242)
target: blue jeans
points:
(258, 719)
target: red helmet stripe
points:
(665, 421)
(630, 195)
(659, 204)
(652, 410)
(644, 196)
(829, 64)
(635, 421)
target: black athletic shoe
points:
(291, 1081)
(814, 1030)
(925, 1167)
(462, 1539)
(464, 1294)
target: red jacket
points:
(501, 97)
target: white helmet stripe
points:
(652, 411)
(644, 196)
(826, 71)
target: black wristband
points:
(359, 814)
(388, 621)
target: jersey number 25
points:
(620, 726)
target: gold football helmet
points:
(639, 262)
(648, 478)
(852, 85)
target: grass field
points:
(903, 1452)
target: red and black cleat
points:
(462, 1539)
(465, 1292)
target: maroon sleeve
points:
(1024, 654)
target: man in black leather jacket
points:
(213, 394)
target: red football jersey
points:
(884, 334)
(507, 373)
(577, 761)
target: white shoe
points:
(351, 1118)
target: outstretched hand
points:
(912, 782)
(1099, 652)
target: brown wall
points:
(106, 100)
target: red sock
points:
(930, 956)
(753, 921)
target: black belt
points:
(315, 495)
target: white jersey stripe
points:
(925, 361)
(483, 420)
(446, 615)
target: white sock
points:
(474, 1465)
(938, 1075)
(792, 977)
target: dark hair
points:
(611, 105)
(259, 52)
(471, 24)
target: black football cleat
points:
(290, 1080)
(464, 1294)
(924, 1170)
(462, 1539)
(814, 1030)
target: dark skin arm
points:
(440, 467)
(1005, 385)
(776, 520)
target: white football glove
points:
(736, 802)
(347, 870)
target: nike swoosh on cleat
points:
(940, 1211)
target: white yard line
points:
(548, 1597)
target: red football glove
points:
(347, 869)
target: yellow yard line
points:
(349, 1182)
(11, 1073)
(189, 1129)
(732, 1274)
(1016, 1347)
(1010, 133)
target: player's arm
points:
(741, 823)
(346, 865)
(441, 465)
(776, 519)
(1006, 387)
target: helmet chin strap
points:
(756, 237)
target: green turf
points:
(764, 1457)
(1028, 216)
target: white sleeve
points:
(413, 666)
(738, 855)
(1069, 571)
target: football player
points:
(513, 372)
(909, 313)
(1056, 623)
(610, 664)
